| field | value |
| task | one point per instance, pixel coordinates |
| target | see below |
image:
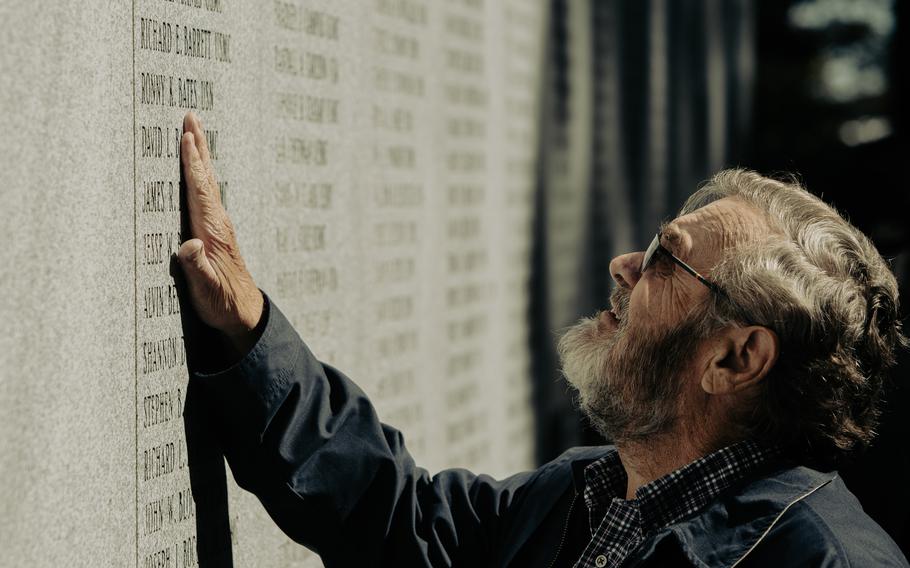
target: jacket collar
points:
(578, 470)
(730, 527)
(714, 540)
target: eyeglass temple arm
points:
(695, 273)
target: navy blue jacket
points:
(306, 440)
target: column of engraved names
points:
(308, 122)
(396, 189)
(464, 171)
(521, 39)
(180, 55)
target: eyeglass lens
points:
(649, 254)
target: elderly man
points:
(741, 361)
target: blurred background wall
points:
(642, 100)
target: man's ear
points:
(739, 358)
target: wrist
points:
(244, 334)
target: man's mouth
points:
(618, 307)
(609, 317)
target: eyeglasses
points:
(655, 247)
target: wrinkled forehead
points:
(711, 229)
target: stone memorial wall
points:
(378, 160)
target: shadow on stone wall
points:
(208, 481)
(208, 478)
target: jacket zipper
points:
(565, 531)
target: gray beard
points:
(629, 380)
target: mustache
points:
(619, 301)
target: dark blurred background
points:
(643, 99)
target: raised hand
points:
(221, 288)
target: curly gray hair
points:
(821, 285)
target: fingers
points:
(197, 189)
(191, 123)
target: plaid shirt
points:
(618, 525)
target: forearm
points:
(274, 416)
(307, 441)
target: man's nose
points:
(626, 269)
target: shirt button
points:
(600, 561)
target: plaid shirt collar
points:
(619, 525)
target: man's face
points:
(632, 364)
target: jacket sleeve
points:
(306, 440)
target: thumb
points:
(196, 266)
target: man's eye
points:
(662, 264)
